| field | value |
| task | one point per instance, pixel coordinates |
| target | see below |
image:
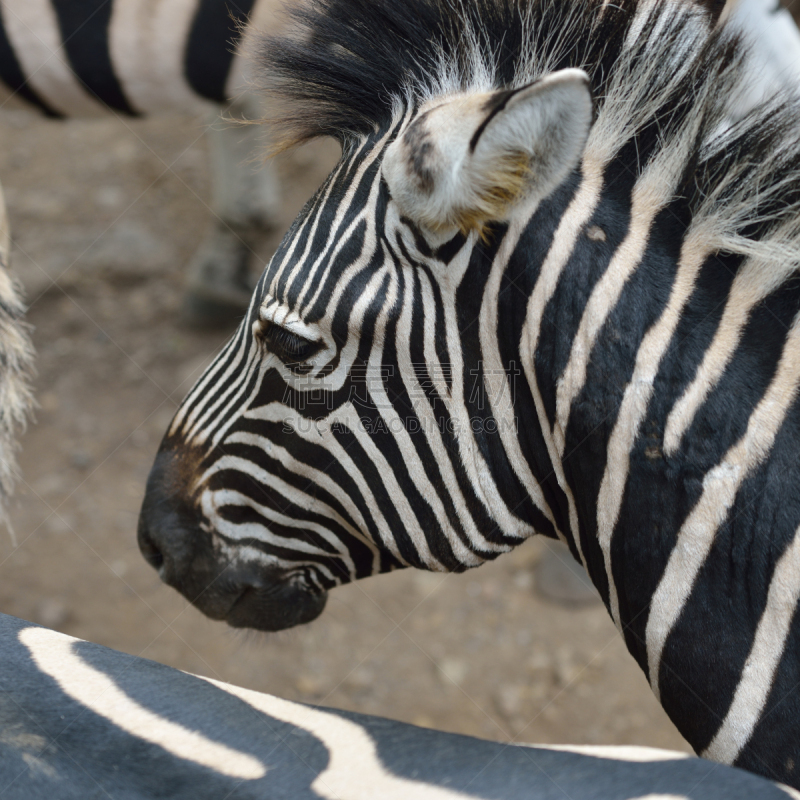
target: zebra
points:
(81, 720)
(16, 365)
(92, 57)
(549, 288)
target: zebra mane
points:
(345, 63)
(662, 73)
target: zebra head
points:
(372, 411)
(347, 428)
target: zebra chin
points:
(243, 594)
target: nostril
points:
(154, 558)
(168, 525)
(152, 554)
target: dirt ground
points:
(105, 214)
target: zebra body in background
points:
(92, 57)
(80, 720)
(547, 289)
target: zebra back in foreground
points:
(547, 289)
(80, 720)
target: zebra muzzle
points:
(184, 553)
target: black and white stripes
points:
(597, 340)
(80, 57)
(80, 720)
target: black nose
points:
(150, 550)
(148, 547)
(167, 538)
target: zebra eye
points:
(287, 346)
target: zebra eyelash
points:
(290, 348)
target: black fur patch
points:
(211, 46)
(84, 31)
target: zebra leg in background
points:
(16, 365)
(245, 204)
(559, 578)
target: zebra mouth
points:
(275, 608)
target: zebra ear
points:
(470, 159)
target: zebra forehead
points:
(331, 248)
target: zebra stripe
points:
(223, 367)
(571, 225)
(762, 663)
(86, 42)
(755, 281)
(651, 194)
(208, 52)
(32, 26)
(14, 76)
(374, 518)
(498, 389)
(347, 206)
(637, 398)
(337, 780)
(200, 737)
(148, 47)
(53, 655)
(391, 484)
(83, 57)
(720, 486)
